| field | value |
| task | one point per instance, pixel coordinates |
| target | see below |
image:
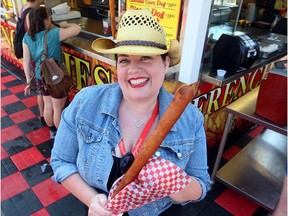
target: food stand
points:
(196, 24)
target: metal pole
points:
(238, 15)
(221, 147)
(16, 4)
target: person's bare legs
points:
(58, 106)
(40, 103)
(48, 111)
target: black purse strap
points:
(45, 44)
(45, 53)
(24, 14)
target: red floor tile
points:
(42, 212)
(17, 89)
(248, 209)
(3, 87)
(231, 152)
(3, 153)
(8, 78)
(236, 204)
(27, 158)
(49, 191)
(22, 116)
(8, 100)
(12, 185)
(256, 131)
(10, 133)
(3, 113)
(30, 101)
(39, 136)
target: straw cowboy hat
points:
(139, 34)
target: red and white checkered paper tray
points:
(157, 179)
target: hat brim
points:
(107, 46)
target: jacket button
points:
(179, 155)
(157, 154)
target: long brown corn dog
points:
(182, 98)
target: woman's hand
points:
(27, 90)
(97, 206)
(63, 24)
(192, 191)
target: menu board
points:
(166, 12)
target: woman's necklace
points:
(138, 124)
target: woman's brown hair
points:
(36, 20)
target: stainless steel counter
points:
(258, 170)
(83, 45)
(91, 28)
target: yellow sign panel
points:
(166, 12)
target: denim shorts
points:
(39, 88)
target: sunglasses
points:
(125, 162)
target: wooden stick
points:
(112, 17)
(182, 98)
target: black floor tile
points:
(67, 206)
(21, 95)
(216, 190)
(7, 167)
(261, 212)
(232, 138)
(35, 110)
(30, 125)
(45, 148)
(243, 141)
(25, 203)
(5, 92)
(6, 121)
(9, 209)
(3, 74)
(189, 209)
(13, 83)
(215, 210)
(14, 107)
(17, 145)
(34, 175)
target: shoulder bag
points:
(54, 75)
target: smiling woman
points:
(107, 125)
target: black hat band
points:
(140, 43)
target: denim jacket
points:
(89, 131)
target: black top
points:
(115, 172)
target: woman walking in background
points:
(33, 47)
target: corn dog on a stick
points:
(182, 98)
